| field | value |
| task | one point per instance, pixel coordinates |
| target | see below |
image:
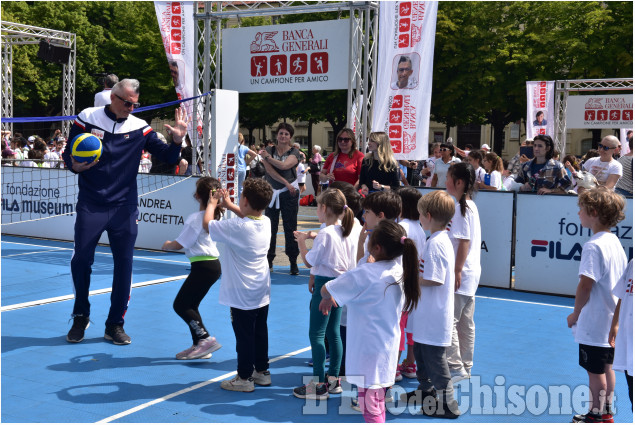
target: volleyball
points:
(86, 148)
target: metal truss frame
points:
(19, 34)
(362, 62)
(564, 87)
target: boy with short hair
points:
(245, 282)
(436, 305)
(377, 206)
(602, 264)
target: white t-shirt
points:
(374, 311)
(195, 240)
(103, 97)
(245, 281)
(604, 261)
(602, 170)
(441, 170)
(480, 174)
(432, 320)
(624, 341)
(468, 227)
(495, 179)
(301, 174)
(415, 232)
(332, 253)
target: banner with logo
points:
(289, 57)
(624, 140)
(176, 23)
(609, 111)
(496, 211)
(224, 134)
(540, 108)
(549, 241)
(404, 75)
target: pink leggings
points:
(371, 402)
(402, 326)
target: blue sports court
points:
(525, 367)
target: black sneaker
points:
(116, 334)
(591, 417)
(80, 324)
(312, 391)
(294, 269)
(420, 396)
(442, 410)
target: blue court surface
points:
(525, 369)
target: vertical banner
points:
(540, 108)
(404, 75)
(176, 23)
(624, 140)
(224, 134)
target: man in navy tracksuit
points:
(107, 199)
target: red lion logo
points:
(264, 42)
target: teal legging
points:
(319, 325)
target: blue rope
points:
(72, 117)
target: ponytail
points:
(392, 238)
(497, 162)
(465, 172)
(410, 278)
(348, 221)
(335, 201)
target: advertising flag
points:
(540, 108)
(404, 75)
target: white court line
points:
(523, 302)
(192, 388)
(95, 292)
(163, 260)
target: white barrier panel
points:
(496, 210)
(39, 193)
(549, 240)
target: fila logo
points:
(554, 250)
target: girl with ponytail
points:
(375, 294)
(465, 234)
(332, 254)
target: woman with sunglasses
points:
(606, 170)
(442, 165)
(379, 168)
(345, 163)
(543, 174)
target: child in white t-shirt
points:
(245, 282)
(465, 233)
(436, 306)
(475, 158)
(332, 254)
(374, 294)
(409, 220)
(493, 179)
(601, 265)
(203, 254)
(622, 341)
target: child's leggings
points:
(372, 404)
(320, 325)
(202, 276)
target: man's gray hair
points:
(126, 83)
(111, 80)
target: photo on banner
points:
(540, 108)
(404, 75)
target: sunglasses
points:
(344, 139)
(444, 149)
(606, 148)
(127, 103)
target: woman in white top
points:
(606, 170)
(442, 165)
(203, 254)
(493, 179)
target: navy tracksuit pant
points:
(121, 224)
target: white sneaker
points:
(262, 378)
(458, 375)
(238, 384)
(204, 349)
